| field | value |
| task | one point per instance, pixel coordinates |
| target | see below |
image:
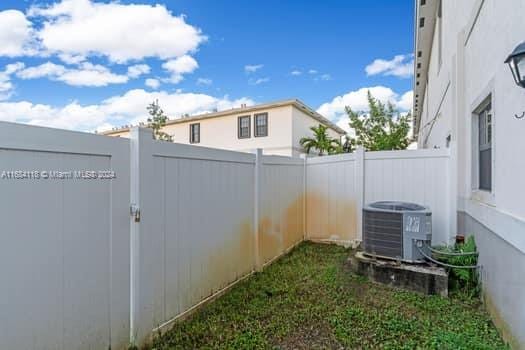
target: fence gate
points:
(64, 240)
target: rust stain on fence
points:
(293, 222)
(331, 218)
(269, 241)
(232, 260)
(275, 236)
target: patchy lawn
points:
(310, 299)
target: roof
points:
(424, 24)
(282, 103)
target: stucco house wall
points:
(477, 36)
(288, 122)
(221, 132)
(301, 124)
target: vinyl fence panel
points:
(281, 217)
(420, 176)
(332, 205)
(64, 251)
(339, 186)
(195, 234)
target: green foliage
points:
(157, 120)
(321, 142)
(463, 281)
(382, 128)
(309, 299)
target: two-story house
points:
(275, 127)
(466, 98)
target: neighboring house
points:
(465, 98)
(275, 127)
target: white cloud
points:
(405, 103)
(92, 75)
(119, 110)
(400, 66)
(312, 71)
(152, 83)
(15, 34)
(204, 81)
(137, 70)
(326, 77)
(252, 68)
(6, 86)
(259, 81)
(357, 100)
(71, 59)
(47, 69)
(86, 75)
(296, 72)
(179, 66)
(120, 32)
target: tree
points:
(382, 128)
(157, 120)
(320, 141)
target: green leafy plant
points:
(462, 280)
(381, 128)
(157, 121)
(321, 141)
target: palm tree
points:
(320, 141)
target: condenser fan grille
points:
(383, 234)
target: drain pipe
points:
(420, 244)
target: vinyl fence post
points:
(304, 193)
(138, 139)
(257, 198)
(360, 189)
(134, 142)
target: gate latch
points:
(135, 212)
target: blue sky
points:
(88, 65)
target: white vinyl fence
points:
(197, 230)
(96, 263)
(339, 186)
(64, 241)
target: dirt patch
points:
(318, 336)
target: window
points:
(243, 127)
(485, 147)
(261, 124)
(195, 133)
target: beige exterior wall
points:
(221, 132)
(286, 126)
(301, 125)
(123, 133)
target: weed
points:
(463, 281)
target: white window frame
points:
(482, 195)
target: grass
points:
(309, 299)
